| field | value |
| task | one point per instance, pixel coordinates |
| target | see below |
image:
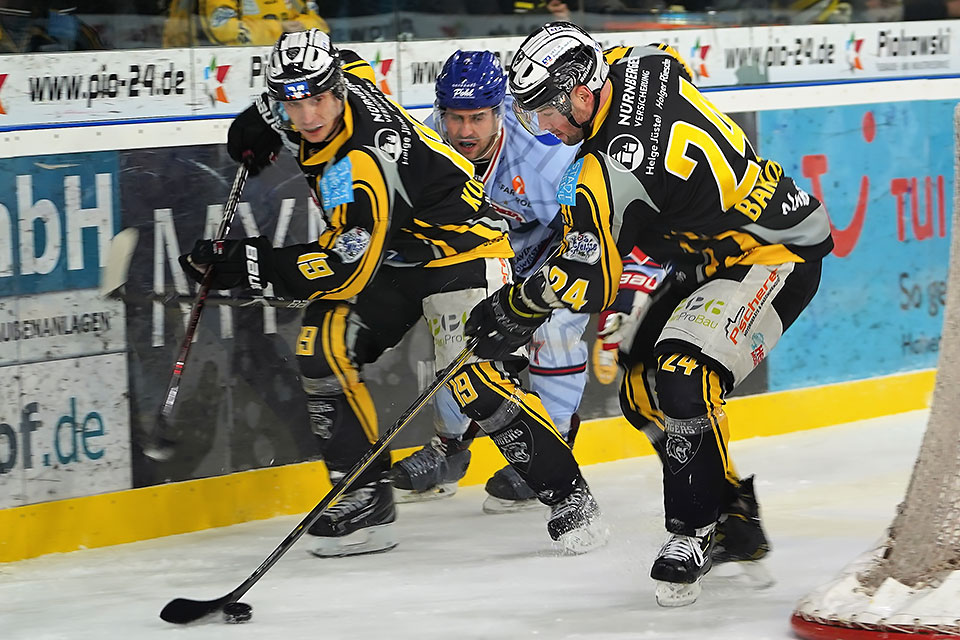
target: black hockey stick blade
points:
(156, 445)
(114, 274)
(183, 610)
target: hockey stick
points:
(158, 444)
(171, 299)
(113, 282)
(184, 610)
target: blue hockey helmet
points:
(471, 80)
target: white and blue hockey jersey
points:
(521, 182)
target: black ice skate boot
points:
(432, 472)
(681, 564)
(508, 492)
(575, 521)
(360, 522)
(740, 535)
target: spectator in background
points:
(7, 45)
(232, 22)
(238, 22)
(46, 26)
(557, 8)
(930, 9)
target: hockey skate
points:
(360, 522)
(741, 539)
(681, 565)
(507, 492)
(575, 522)
(432, 472)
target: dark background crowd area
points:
(30, 26)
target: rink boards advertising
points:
(36, 90)
(81, 376)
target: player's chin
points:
(468, 151)
(314, 135)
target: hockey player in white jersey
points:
(520, 174)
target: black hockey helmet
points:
(553, 60)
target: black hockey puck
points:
(237, 612)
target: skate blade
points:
(366, 540)
(585, 539)
(496, 506)
(440, 491)
(677, 594)
(752, 573)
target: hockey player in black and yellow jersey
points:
(409, 235)
(662, 169)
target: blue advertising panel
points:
(57, 216)
(885, 174)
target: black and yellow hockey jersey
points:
(391, 192)
(665, 170)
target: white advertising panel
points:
(47, 89)
(64, 429)
(65, 324)
(43, 89)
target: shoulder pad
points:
(353, 64)
(685, 69)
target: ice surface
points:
(826, 496)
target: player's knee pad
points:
(687, 388)
(325, 398)
(342, 436)
(685, 438)
(485, 394)
(537, 452)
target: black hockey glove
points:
(251, 140)
(235, 263)
(502, 324)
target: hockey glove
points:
(604, 362)
(619, 322)
(235, 263)
(503, 323)
(251, 140)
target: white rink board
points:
(64, 429)
(58, 325)
(733, 100)
(47, 90)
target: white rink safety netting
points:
(909, 584)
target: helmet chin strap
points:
(593, 114)
(494, 139)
